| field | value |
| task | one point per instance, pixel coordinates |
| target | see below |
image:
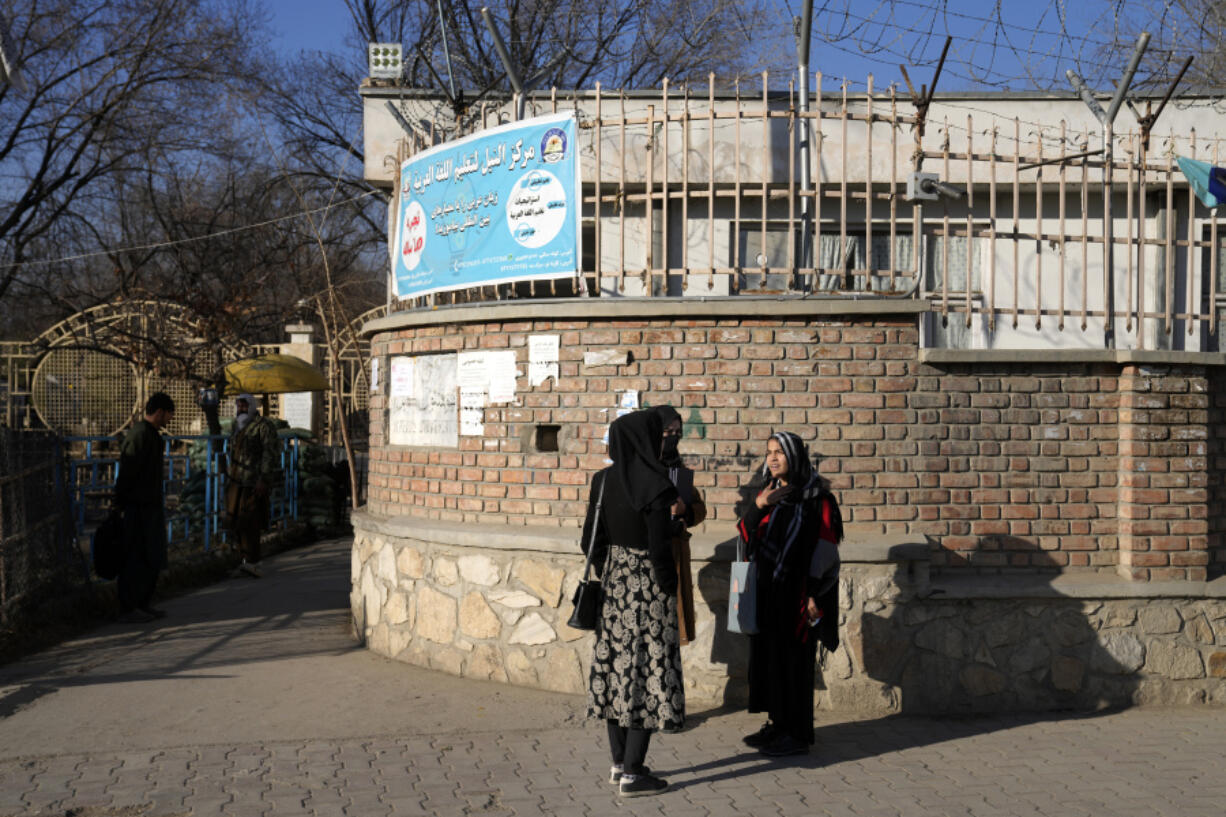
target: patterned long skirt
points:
(636, 666)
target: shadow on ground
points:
(854, 740)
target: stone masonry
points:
(492, 604)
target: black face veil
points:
(668, 451)
(634, 447)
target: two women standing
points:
(791, 526)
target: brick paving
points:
(248, 700)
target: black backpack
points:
(106, 546)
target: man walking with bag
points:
(138, 493)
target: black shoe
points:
(134, 617)
(783, 746)
(641, 786)
(762, 737)
(153, 611)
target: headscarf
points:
(800, 473)
(668, 415)
(241, 420)
(800, 467)
(634, 447)
(788, 517)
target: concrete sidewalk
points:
(251, 698)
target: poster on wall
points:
(401, 377)
(422, 401)
(491, 208)
(542, 358)
(297, 409)
(485, 378)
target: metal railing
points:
(193, 484)
(53, 490)
(37, 552)
(690, 194)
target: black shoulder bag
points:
(590, 593)
(106, 545)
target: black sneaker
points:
(762, 737)
(153, 611)
(783, 746)
(641, 785)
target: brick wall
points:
(1005, 466)
(1016, 465)
(1163, 462)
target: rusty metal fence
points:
(701, 194)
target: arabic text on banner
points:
(498, 206)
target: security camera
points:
(928, 187)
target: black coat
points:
(625, 526)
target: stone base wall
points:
(492, 614)
(1003, 655)
(492, 602)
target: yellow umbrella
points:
(273, 374)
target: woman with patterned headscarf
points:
(791, 526)
(635, 684)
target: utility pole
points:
(1107, 118)
(804, 25)
(516, 84)
(10, 66)
(442, 25)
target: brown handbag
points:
(685, 589)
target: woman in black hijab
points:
(791, 526)
(635, 683)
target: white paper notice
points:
(542, 358)
(424, 412)
(472, 371)
(374, 374)
(491, 374)
(502, 375)
(402, 377)
(472, 412)
(629, 400)
(296, 409)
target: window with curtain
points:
(956, 246)
(832, 252)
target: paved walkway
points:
(252, 699)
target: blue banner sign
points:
(501, 205)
